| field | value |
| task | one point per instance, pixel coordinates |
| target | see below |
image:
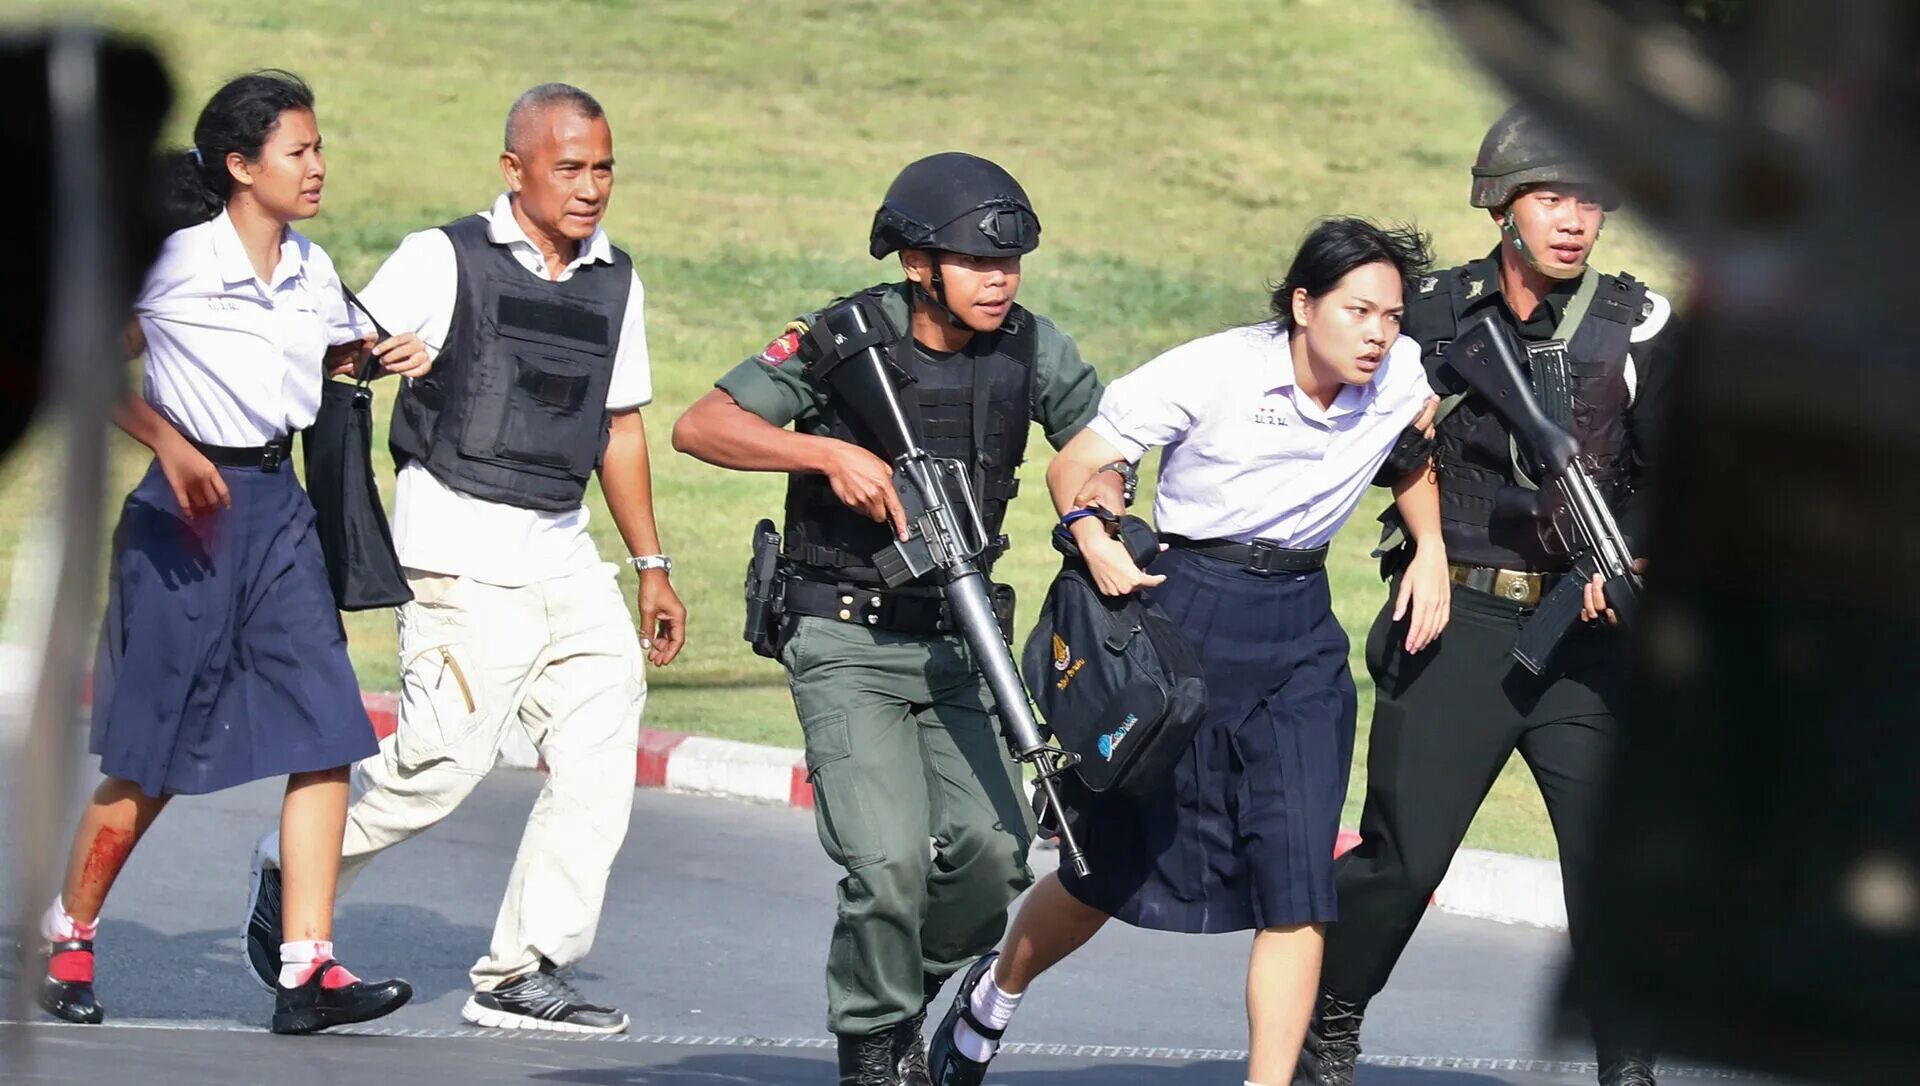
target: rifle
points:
(946, 534)
(1486, 356)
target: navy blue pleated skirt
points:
(222, 659)
(1243, 835)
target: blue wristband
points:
(1067, 518)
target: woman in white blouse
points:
(1272, 434)
(222, 658)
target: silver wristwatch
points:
(1129, 478)
(644, 562)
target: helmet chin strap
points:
(937, 297)
(1547, 268)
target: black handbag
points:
(362, 566)
(1115, 679)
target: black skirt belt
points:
(266, 457)
(1262, 556)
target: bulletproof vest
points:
(1486, 497)
(515, 408)
(973, 407)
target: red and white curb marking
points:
(675, 760)
(1479, 884)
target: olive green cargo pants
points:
(916, 795)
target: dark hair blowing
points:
(239, 118)
(1335, 247)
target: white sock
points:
(57, 927)
(994, 1008)
(297, 960)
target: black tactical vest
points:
(515, 408)
(974, 407)
(1483, 500)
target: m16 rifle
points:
(846, 350)
(1487, 358)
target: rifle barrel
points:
(973, 612)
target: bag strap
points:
(1124, 621)
(379, 329)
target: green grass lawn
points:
(1175, 151)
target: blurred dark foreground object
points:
(1758, 892)
(83, 110)
(128, 98)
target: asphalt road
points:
(713, 939)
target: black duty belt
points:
(872, 607)
(266, 457)
(1262, 556)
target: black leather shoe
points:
(71, 1000)
(1626, 1069)
(1332, 1045)
(868, 1059)
(312, 1006)
(945, 1064)
(910, 1051)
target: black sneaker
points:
(869, 1059)
(945, 1065)
(1626, 1069)
(313, 1006)
(910, 1052)
(1332, 1044)
(71, 1000)
(260, 942)
(541, 1000)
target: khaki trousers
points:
(559, 658)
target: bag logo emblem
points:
(1111, 741)
(1064, 663)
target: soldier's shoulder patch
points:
(784, 346)
(1428, 283)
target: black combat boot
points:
(868, 1059)
(1332, 1045)
(946, 1065)
(910, 1051)
(1626, 1069)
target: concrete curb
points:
(674, 760)
(1479, 884)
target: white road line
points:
(1012, 1048)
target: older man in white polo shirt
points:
(541, 370)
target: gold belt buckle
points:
(1516, 586)
(1513, 585)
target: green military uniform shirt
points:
(773, 385)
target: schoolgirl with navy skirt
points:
(1272, 434)
(222, 658)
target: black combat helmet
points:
(958, 203)
(1519, 151)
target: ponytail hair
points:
(240, 117)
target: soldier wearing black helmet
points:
(900, 745)
(1446, 721)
